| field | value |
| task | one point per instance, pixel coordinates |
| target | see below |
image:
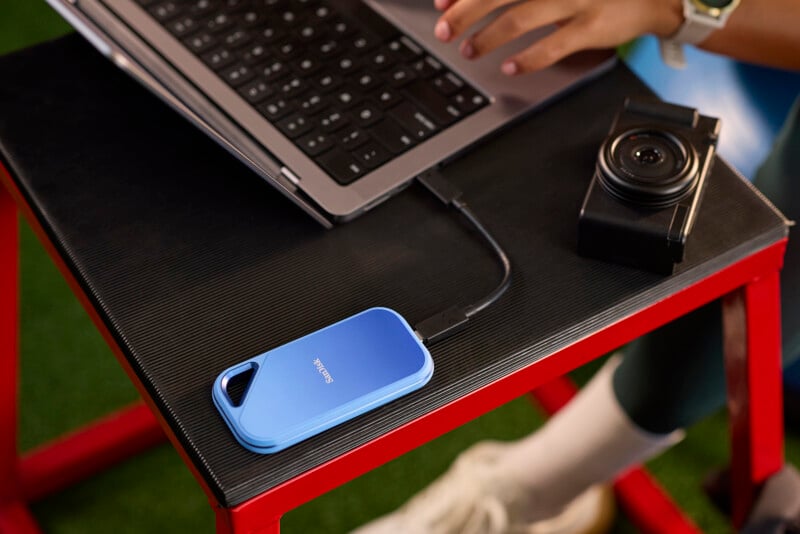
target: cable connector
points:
(442, 325)
(439, 186)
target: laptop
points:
(339, 104)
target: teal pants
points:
(674, 376)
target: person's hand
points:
(582, 24)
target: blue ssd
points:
(308, 385)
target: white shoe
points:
(470, 499)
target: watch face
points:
(719, 4)
(715, 8)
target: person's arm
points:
(763, 31)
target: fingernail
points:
(510, 68)
(467, 50)
(443, 32)
(441, 5)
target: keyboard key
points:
(412, 119)
(307, 66)
(304, 4)
(333, 120)
(321, 14)
(201, 8)
(328, 82)
(401, 75)
(274, 70)
(434, 103)
(366, 114)
(313, 104)
(219, 23)
(218, 59)
(166, 10)
(294, 126)
(237, 74)
(404, 48)
(368, 19)
(351, 138)
(372, 155)
(289, 50)
(342, 167)
(381, 60)
(469, 100)
(341, 28)
(347, 96)
(315, 143)
(234, 6)
(253, 18)
(275, 109)
(448, 83)
(254, 54)
(271, 34)
(368, 80)
(292, 87)
(362, 43)
(347, 64)
(236, 38)
(308, 32)
(426, 67)
(327, 49)
(388, 133)
(388, 97)
(291, 17)
(183, 26)
(255, 91)
(201, 42)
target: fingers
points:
(441, 5)
(578, 34)
(514, 22)
(459, 15)
(582, 24)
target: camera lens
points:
(653, 167)
(648, 155)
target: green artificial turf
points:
(69, 377)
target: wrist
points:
(670, 17)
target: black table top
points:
(194, 263)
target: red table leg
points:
(751, 318)
(92, 449)
(16, 519)
(243, 520)
(66, 460)
(13, 515)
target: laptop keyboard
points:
(348, 88)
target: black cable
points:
(492, 297)
(453, 319)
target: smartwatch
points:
(700, 18)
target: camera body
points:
(648, 184)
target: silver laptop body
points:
(126, 32)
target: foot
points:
(471, 499)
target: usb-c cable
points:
(453, 319)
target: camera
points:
(648, 184)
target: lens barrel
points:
(649, 167)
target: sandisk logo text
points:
(323, 371)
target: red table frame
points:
(751, 318)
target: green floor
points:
(69, 377)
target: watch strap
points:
(672, 53)
(696, 27)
